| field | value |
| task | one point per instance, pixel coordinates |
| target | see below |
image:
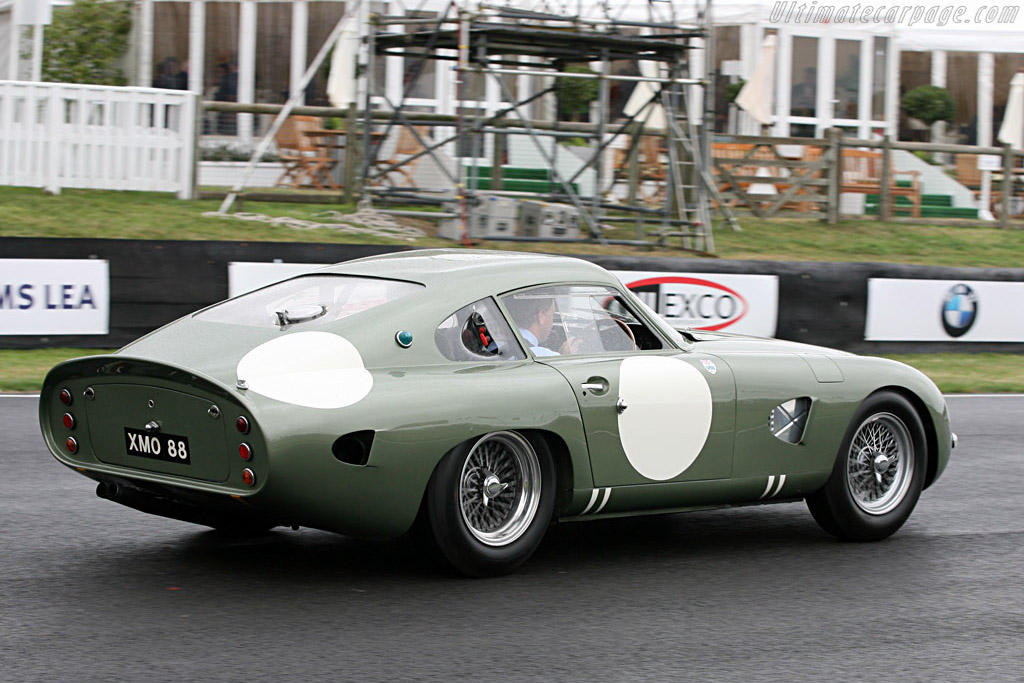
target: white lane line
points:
(983, 395)
(19, 395)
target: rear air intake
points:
(354, 448)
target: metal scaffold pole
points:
(495, 47)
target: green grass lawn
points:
(23, 370)
(29, 212)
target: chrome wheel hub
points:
(492, 488)
(880, 465)
(499, 489)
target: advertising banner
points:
(54, 296)
(745, 304)
(944, 310)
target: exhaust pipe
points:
(107, 490)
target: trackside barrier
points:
(153, 282)
(57, 135)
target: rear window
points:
(309, 299)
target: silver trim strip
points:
(771, 482)
(607, 496)
(593, 499)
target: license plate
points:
(157, 445)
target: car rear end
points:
(157, 438)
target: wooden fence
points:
(768, 174)
(55, 135)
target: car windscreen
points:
(319, 298)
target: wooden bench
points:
(861, 172)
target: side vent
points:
(354, 448)
(788, 419)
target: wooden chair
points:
(304, 155)
(406, 146)
(967, 171)
(861, 171)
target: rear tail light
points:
(242, 424)
(65, 397)
(69, 421)
(245, 451)
(248, 477)
(71, 445)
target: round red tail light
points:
(65, 397)
(245, 450)
(71, 445)
(242, 424)
(69, 421)
(248, 477)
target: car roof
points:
(469, 270)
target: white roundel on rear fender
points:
(311, 369)
(667, 417)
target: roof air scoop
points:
(300, 314)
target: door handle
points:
(595, 385)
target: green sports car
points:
(473, 399)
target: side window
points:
(477, 332)
(578, 319)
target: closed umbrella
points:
(654, 115)
(1012, 130)
(341, 82)
(757, 95)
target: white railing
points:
(56, 135)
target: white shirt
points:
(534, 343)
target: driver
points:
(535, 316)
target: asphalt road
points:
(92, 591)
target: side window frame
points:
(450, 339)
(620, 296)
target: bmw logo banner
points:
(944, 310)
(959, 310)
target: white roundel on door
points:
(667, 417)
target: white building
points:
(839, 73)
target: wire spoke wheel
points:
(500, 488)
(880, 464)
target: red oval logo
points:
(721, 306)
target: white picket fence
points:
(56, 135)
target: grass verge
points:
(28, 212)
(22, 370)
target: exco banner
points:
(54, 296)
(746, 304)
(944, 310)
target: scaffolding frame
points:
(492, 42)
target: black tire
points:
(878, 474)
(515, 475)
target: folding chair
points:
(305, 157)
